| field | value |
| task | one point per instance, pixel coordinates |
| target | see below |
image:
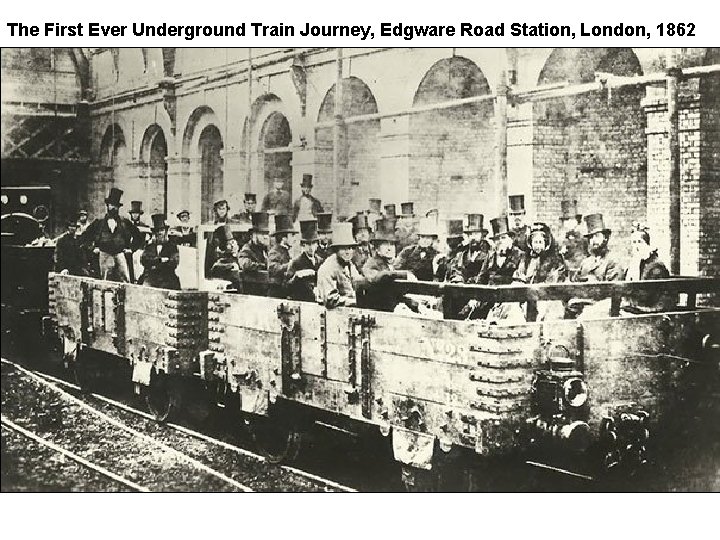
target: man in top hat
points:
(82, 222)
(112, 237)
(406, 226)
(374, 211)
(69, 253)
(307, 206)
(337, 275)
(277, 201)
(518, 221)
(599, 265)
(279, 255)
(379, 270)
(183, 232)
(135, 212)
(160, 257)
(227, 266)
(245, 217)
(419, 258)
(453, 241)
(252, 258)
(573, 246)
(468, 264)
(301, 275)
(361, 231)
(324, 224)
(503, 261)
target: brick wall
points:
(592, 148)
(709, 183)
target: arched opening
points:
(359, 148)
(451, 149)
(275, 138)
(581, 65)
(153, 154)
(112, 171)
(211, 170)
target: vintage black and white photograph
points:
(360, 270)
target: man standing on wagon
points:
(337, 275)
(112, 237)
(306, 206)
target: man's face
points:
(184, 218)
(362, 236)
(262, 238)
(537, 242)
(518, 220)
(161, 235)
(345, 253)
(640, 248)
(310, 248)
(221, 211)
(287, 239)
(597, 241)
(476, 237)
(386, 250)
(504, 243)
(278, 184)
(134, 216)
(72, 229)
(83, 218)
(232, 246)
(324, 238)
(112, 209)
(249, 206)
(425, 241)
(306, 190)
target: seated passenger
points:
(418, 258)
(337, 275)
(226, 266)
(454, 241)
(278, 258)
(542, 263)
(183, 233)
(253, 256)
(380, 272)
(362, 233)
(324, 225)
(301, 277)
(160, 257)
(69, 253)
(469, 262)
(645, 265)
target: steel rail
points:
(202, 436)
(67, 453)
(134, 432)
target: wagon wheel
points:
(162, 397)
(278, 439)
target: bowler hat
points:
(500, 226)
(136, 207)
(306, 180)
(261, 222)
(475, 223)
(428, 227)
(324, 220)
(283, 224)
(309, 230)
(375, 206)
(594, 224)
(222, 234)
(517, 203)
(360, 221)
(342, 235)
(114, 197)
(250, 197)
(384, 231)
(390, 211)
(158, 222)
(568, 209)
(407, 209)
(82, 212)
(221, 202)
(454, 228)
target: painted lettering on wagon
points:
(439, 348)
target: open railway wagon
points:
(595, 390)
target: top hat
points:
(220, 202)
(454, 228)
(342, 235)
(158, 222)
(360, 221)
(568, 209)
(136, 207)
(283, 224)
(407, 209)
(306, 180)
(250, 197)
(390, 211)
(324, 220)
(261, 222)
(384, 231)
(375, 206)
(594, 224)
(428, 227)
(517, 203)
(114, 197)
(222, 234)
(475, 223)
(500, 226)
(309, 230)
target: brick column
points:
(234, 179)
(178, 196)
(395, 159)
(520, 155)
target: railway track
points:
(168, 436)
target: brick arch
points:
(200, 118)
(112, 146)
(358, 99)
(456, 77)
(579, 65)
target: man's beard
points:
(113, 213)
(597, 250)
(475, 245)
